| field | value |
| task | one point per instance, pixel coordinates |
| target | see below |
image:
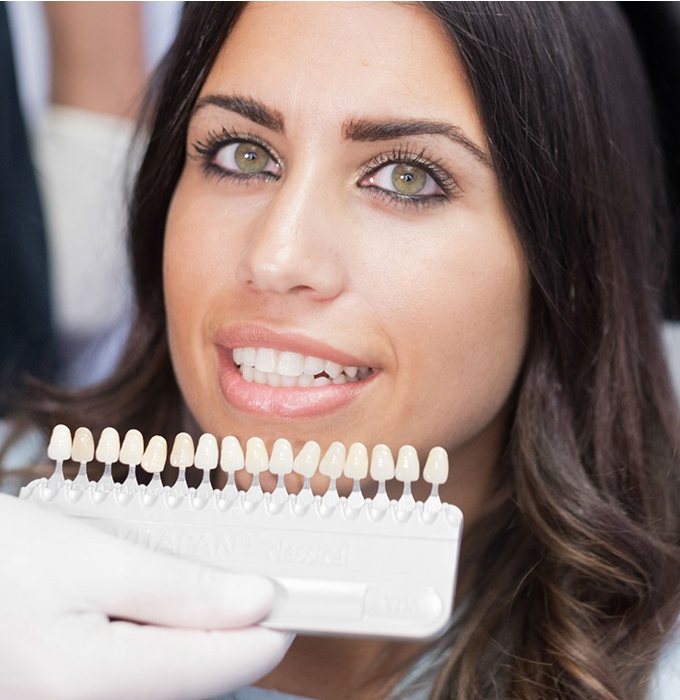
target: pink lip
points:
(283, 402)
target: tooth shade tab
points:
(59, 448)
(155, 454)
(132, 449)
(231, 457)
(182, 454)
(307, 461)
(382, 463)
(356, 464)
(108, 448)
(408, 465)
(207, 453)
(333, 461)
(82, 449)
(436, 469)
(281, 460)
(256, 456)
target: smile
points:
(282, 368)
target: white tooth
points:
(108, 448)
(237, 354)
(153, 459)
(308, 459)
(248, 357)
(356, 464)
(59, 448)
(408, 466)
(182, 454)
(290, 364)
(133, 448)
(281, 461)
(305, 380)
(231, 458)
(321, 381)
(333, 461)
(259, 377)
(273, 379)
(382, 463)
(248, 372)
(436, 470)
(256, 456)
(288, 381)
(313, 365)
(340, 379)
(82, 449)
(332, 369)
(206, 452)
(265, 360)
(363, 372)
(351, 372)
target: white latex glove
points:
(86, 615)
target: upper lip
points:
(254, 335)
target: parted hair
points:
(574, 564)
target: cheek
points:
(459, 325)
(193, 270)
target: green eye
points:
(250, 158)
(408, 179)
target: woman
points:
(464, 203)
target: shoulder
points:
(666, 681)
(253, 693)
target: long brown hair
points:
(576, 560)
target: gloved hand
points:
(86, 615)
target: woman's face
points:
(338, 203)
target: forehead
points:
(326, 60)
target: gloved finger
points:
(129, 582)
(172, 664)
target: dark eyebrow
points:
(352, 129)
(367, 130)
(246, 107)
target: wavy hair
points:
(576, 560)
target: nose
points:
(294, 245)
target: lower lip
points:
(284, 402)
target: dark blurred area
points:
(656, 26)
(26, 335)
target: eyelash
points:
(207, 150)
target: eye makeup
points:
(207, 149)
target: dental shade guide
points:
(206, 458)
(332, 465)
(356, 467)
(108, 452)
(182, 456)
(280, 464)
(231, 461)
(153, 462)
(256, 462)
(59, 450)
(341, 565)
(131, 452)
(82, 451)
